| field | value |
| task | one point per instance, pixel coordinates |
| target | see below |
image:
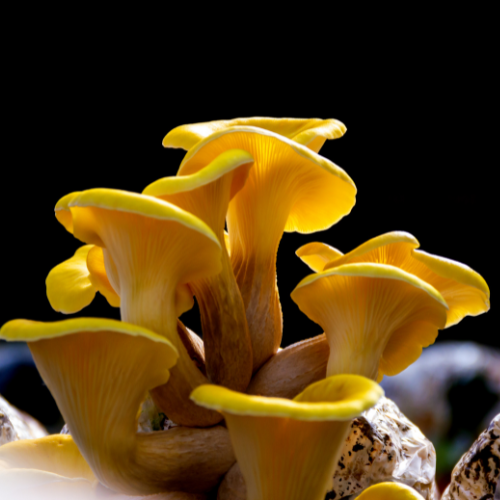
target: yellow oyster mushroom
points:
(152, 250)
(464, 290)
(317, 255)
(311, 132)
(99, 372)
(72, 285)
(289, 188)
(389, 491)
(206, 194)
(376, 317)
(288, 449)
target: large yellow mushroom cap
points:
(464, 290)
(318, 193)
(340, 397)
(311, 132)
(389, 491)
(376, 317)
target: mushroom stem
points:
(156, 310)
(225, 330)
(292, 369)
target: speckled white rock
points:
(15, 424)
(383, 445)
(476, 475)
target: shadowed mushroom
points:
(292, 369)
(206, 194)
(288, 449)
(289, 188)
(151, 250)
(310, 132)
(464, 290)
(99, 371)
(376, 317)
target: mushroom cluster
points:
(233, 394)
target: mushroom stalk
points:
(206, 194)
(292, 369)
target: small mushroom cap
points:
(69, 288)
(317, 255)
(340, 397)
(389, 491)
(57, 454)
(379, 310)
(72, 285)
(464, 290)
(311, 132)
(319, 192)
(224, 163)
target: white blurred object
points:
(15, 424)
(476, 475)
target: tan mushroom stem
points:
(376, 317)
(151, 250)
(206, 194)
(292, 369)
(289, 449)
(289, 188)
(99, 371)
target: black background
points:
(421, 147)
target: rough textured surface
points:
(476, 475)
(15, 424)
(383, 445)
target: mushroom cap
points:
(464, 290)
(24, 330)
(389, 491)
(317, 255)
(72, 285)
(69, 288)
(375, 305)
(57, 454)
(319, 193)
(311, 132)
(225, 163)
(340, 397)
(122, 201)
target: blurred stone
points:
(383, 445)
(15, 424)
(476, 475)
(438, 391)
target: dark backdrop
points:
(419, 146)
